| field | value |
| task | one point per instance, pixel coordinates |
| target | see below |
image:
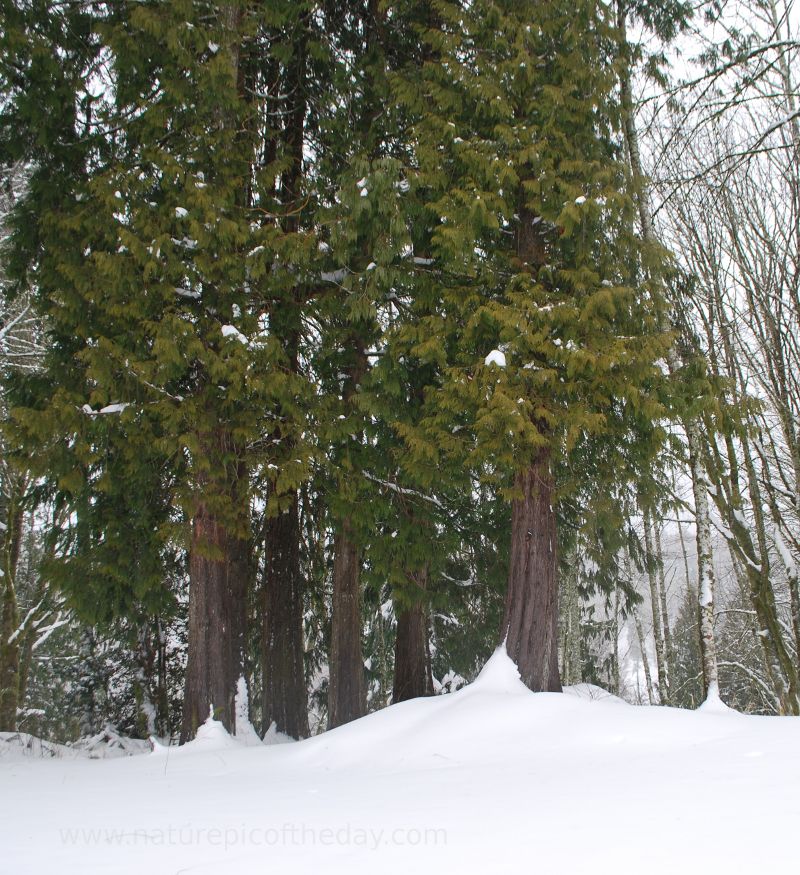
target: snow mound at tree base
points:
(499, 675)
(489, 779)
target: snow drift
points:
(489, 779)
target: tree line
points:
(341, 340)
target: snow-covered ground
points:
(490, 779)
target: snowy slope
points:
(491, 779)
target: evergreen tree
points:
(335, 279)
(147, 259)
(532, 226)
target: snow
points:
(233, 331)
(786, 556)
(211, 736)
(334, 276)
(44, 632)
(496, 357)
(491, 778)
(593, 692)
(116, 407)
(18, 747)
(713, 704)
(245, 731)
(272, 736)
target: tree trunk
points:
(530, 620)
(757, 561)
(284, 694)
(615, 679)
(88, 685)
(645, 661)
(669, 652)
(531, 613)
(570, 611)
(655, 606)
(219, 551)
(792, 583)
(412, 656)
(706, 578)
(146, 719)
(162, 691)
(9, 657)
(28, 634)
(10, 540)
(347, 697)
(217, 592)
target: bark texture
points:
(669, 650)
(645, 661)
(412, 655)
(10, 539)
(570, 623)
(9, 658)
(284, 694)
(347, 697)
(219, 552)
(705, 568)
(217, 596)
(530, 621)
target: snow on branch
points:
(47, 631)
(401, 490)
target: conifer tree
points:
(389, 247)
(532, 226)
(147, 261)
(284, 696)
(349, 327)
(372, 244)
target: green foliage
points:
(516, 124)
(273, 245)
(148, 263)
